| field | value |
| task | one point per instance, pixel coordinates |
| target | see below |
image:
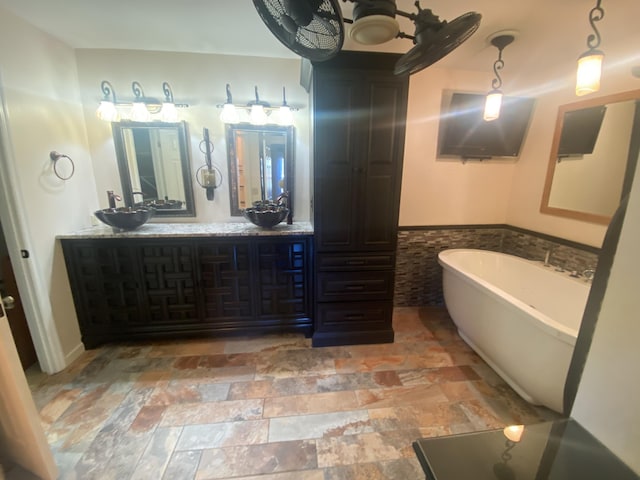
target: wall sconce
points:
(258, 111)
(590, 62)
(142, 108)
(493, 103)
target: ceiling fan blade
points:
(313, 29)
(434, 43)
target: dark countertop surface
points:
(557, 450)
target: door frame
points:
(18, 237)
(26, 443)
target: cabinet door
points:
(359, 127)
(336, 146)
(225, 280)
(283, 282)
(169, 284)
(106, 286)
(381, 156)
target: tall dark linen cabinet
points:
(359, 114)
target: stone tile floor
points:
(271, 408)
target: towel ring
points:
(55, 156)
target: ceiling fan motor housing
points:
(366, 8)
(374, 22)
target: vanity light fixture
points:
(493, 102)
(590, 62)
(257, 112)
(141, 109)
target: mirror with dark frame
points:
(260, 162)
(594, 148)
(154, 165)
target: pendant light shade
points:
(258, 116)
(590, 62)
(589, 72)
(492, 106)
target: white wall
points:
(44, 113)
(199, 80)
(530, 173)
(444, 191)
(609, 393)
(438, 191)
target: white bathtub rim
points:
(546, 323)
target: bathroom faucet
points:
(547, 257)
(112, 197)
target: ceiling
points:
(548, 31)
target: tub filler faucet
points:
(588, 274)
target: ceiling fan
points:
(314, 29)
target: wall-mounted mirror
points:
(153, 160)
(260, 164)
(593, 148)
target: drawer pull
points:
(354, 316)
(355, 288)
(356, 262)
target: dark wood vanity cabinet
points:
(358, 145)
(138, 288)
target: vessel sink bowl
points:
(266, 214)
(124, 218)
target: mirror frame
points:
(288, 131)
(630, 162)
(125, 174)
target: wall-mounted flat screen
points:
(464, 133)
(580, 130)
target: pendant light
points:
(493, 102)
(590, 62)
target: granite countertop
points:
(169, 230)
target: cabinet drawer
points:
(352, 316)
(372, 261)
(349, 286)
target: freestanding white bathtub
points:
(522, 318)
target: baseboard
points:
(74, 354)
